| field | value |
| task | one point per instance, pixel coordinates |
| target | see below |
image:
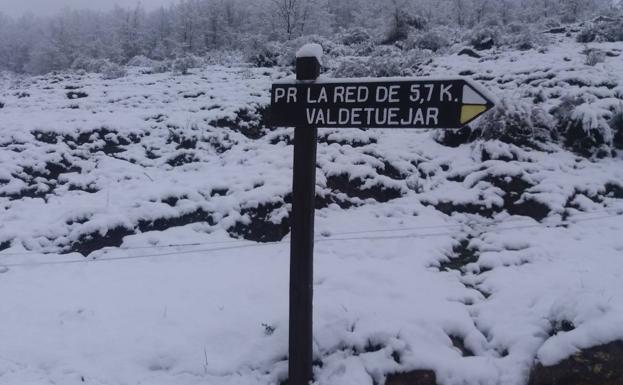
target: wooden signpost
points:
(309, 103)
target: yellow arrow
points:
(470, 112)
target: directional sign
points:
(309, 103)
(379, 103)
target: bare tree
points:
(460, 10)
(187, 24)
(294, 17)
(286, 11)
(481, 9)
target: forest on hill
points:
(208, 28)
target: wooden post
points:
(302, 241)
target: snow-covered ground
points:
(473, 261)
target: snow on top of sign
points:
(310, 50)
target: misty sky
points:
(50, 7)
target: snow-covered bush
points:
(354, 36)
(402, 23)
(43, 58)
(140, 61)
(515, 28)
(183, 63)
(583, 128)
(605, 29)
(386, 51)
(398, 63)
(352, 68)
(82, 63)
(594, 56)
(263, 54)
(587, 35)
(353, 42)
(163, 50)
(161, 67)
(525, 41)
(413, 59)
(517, 122)
(483, 38)
(511, 121)
(611, 31)
(223, 57)
(551, 23)
(430, 40)
(383, 65)
(113, 71)
(616, 125)
(90, 64)
(568, 18)
(387, 61)
(522, 37)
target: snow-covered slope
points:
(473, 260)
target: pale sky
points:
(51, 7)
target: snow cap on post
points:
(308, 62)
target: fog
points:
(51, 7)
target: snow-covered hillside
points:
(144, 229)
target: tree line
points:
(31, 44)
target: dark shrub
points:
(587, 35)
(401, 25)
(483, 39)
(604, 29)
(90, 64)
(430, 40)
(594, 56)
(184, 63)
(390, 61)
(616, 124)
(525, 41)
(583, 130)
(511, 121)
(352, 68)
(113, 71)
(264, 54)
(551, 23)
(355, 36)
(516, 122)
(515, 28)
(612, 31)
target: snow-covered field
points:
(131, 210)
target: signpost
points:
(378, 103)
(309, 103)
